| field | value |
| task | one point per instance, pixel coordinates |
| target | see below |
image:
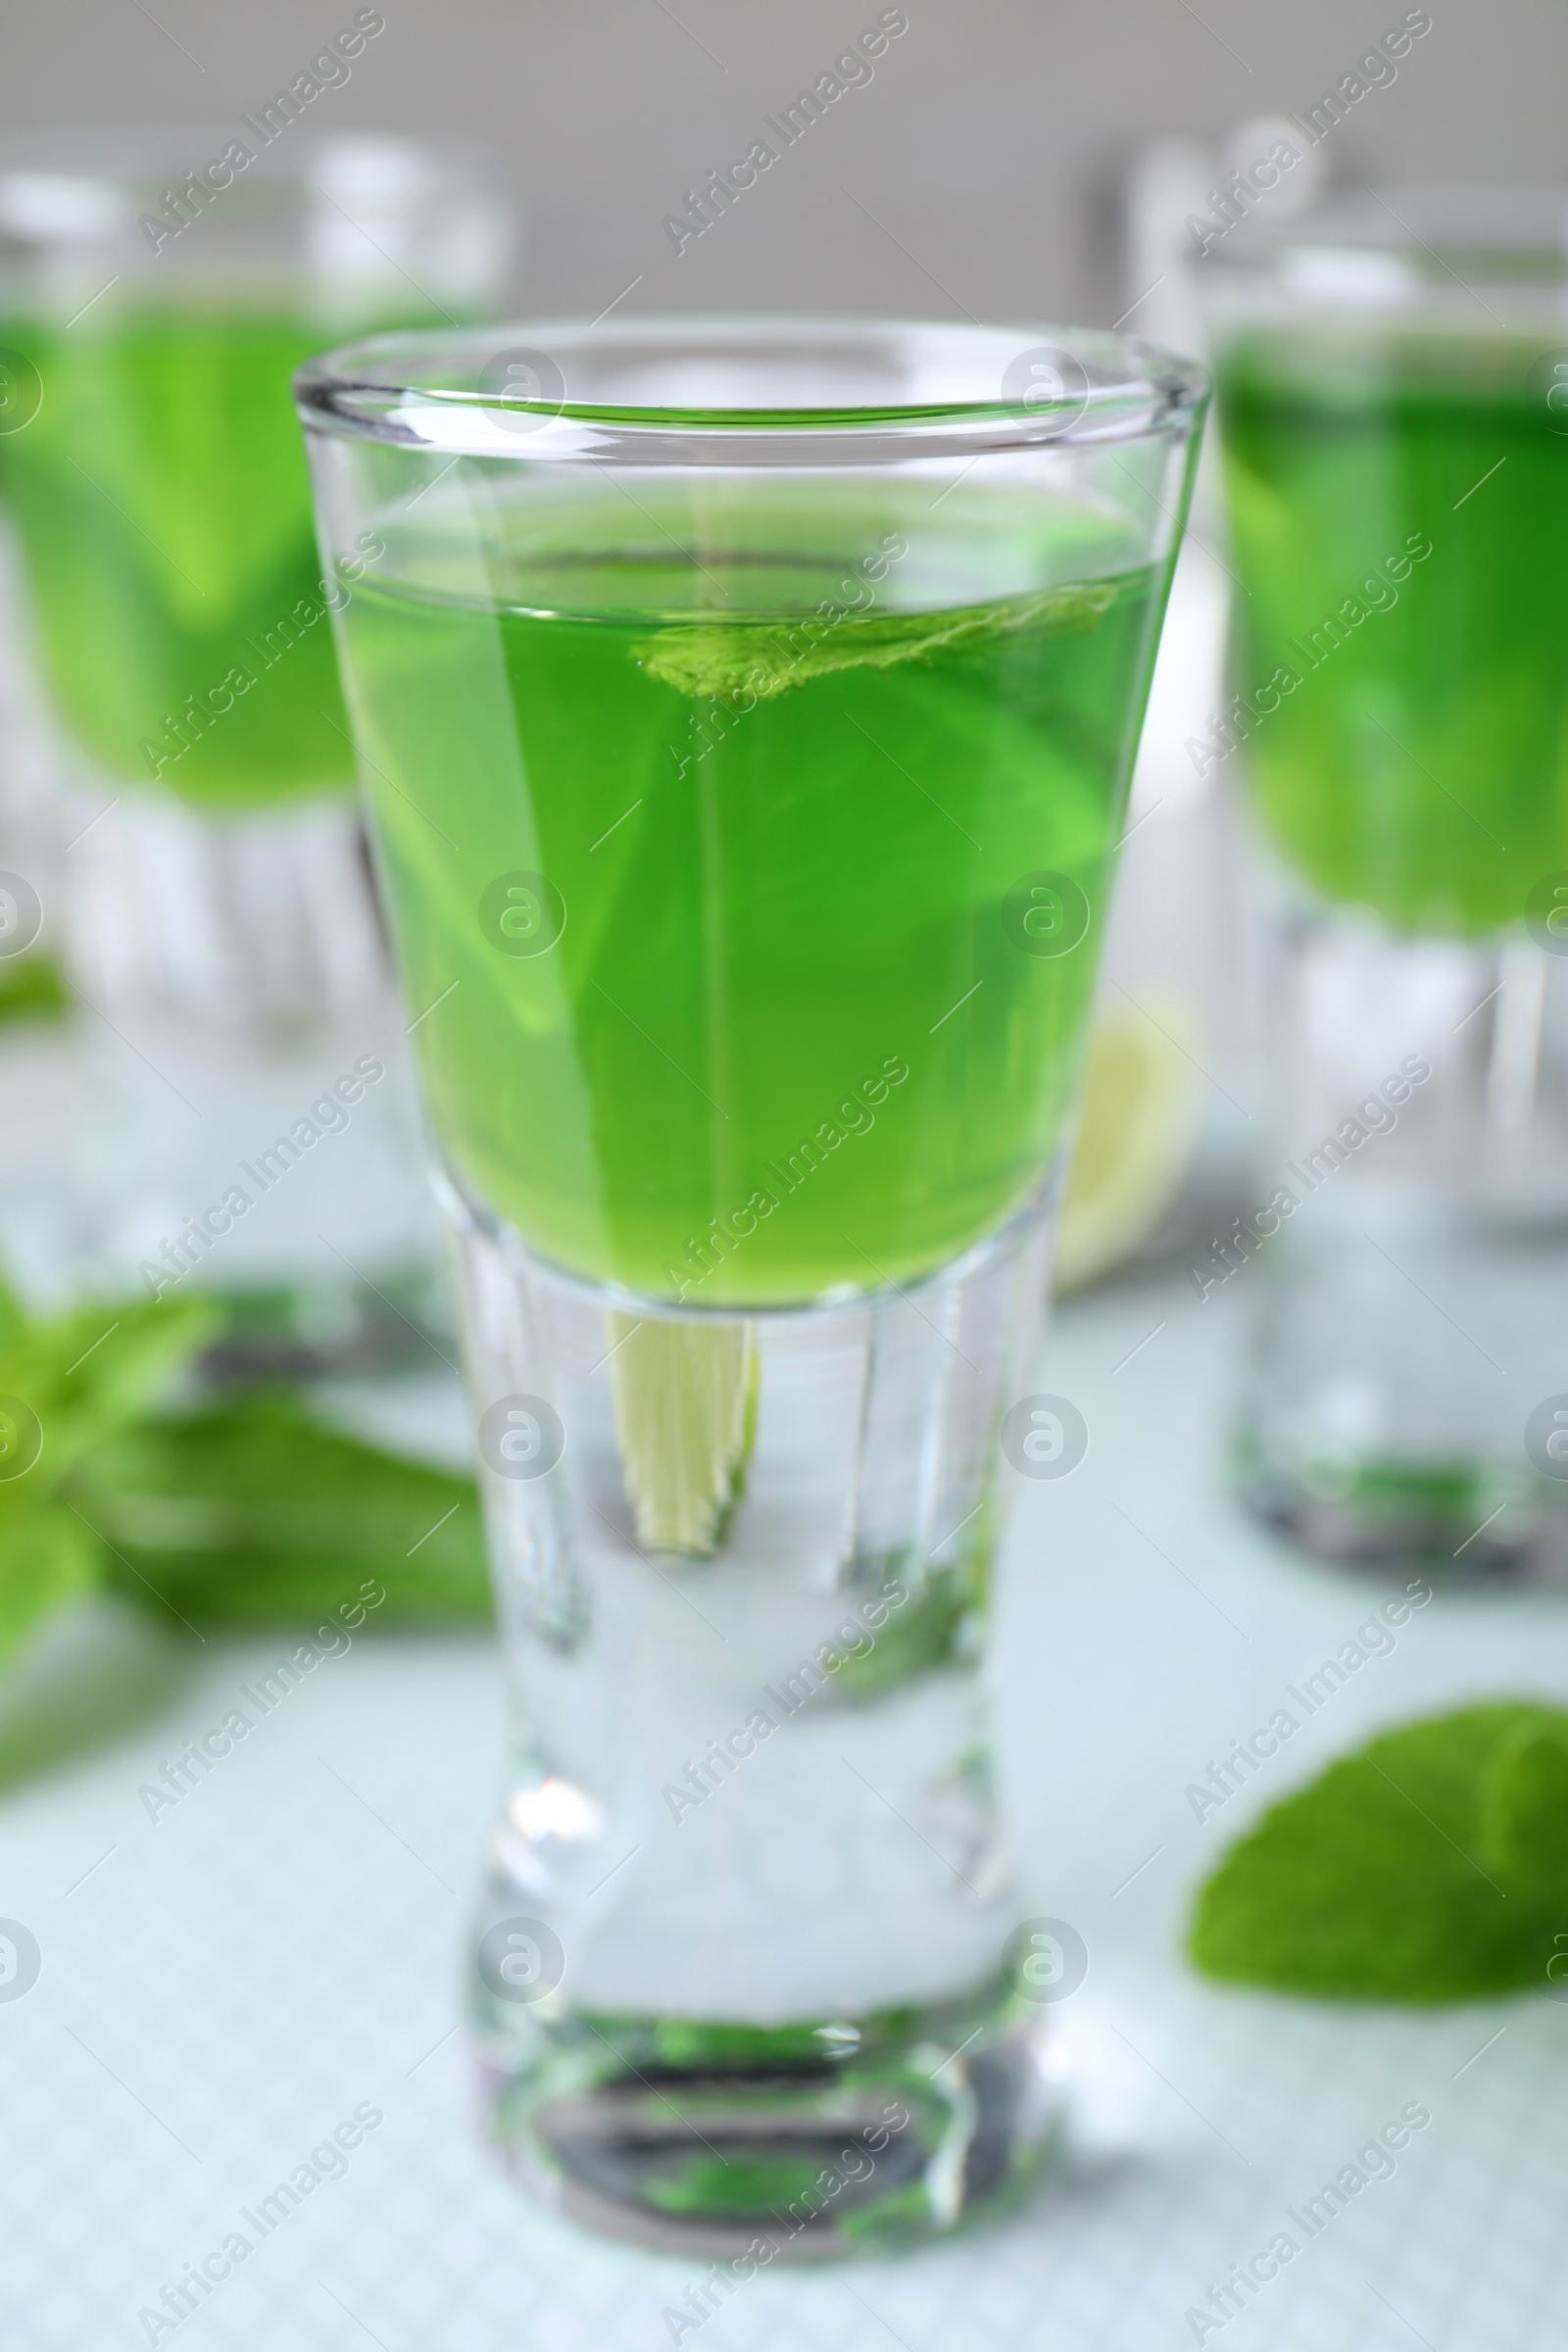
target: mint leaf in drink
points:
(726, 660)
(1431, 1866)
(253, 1512)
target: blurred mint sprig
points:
(245, 1511)
(67, 1386)
(31, 988)
(252, 1512)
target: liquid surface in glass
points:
(748, 857)
(1399, 508)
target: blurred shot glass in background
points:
(205, 881)
(1391, 373)
(747, 714)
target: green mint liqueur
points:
(1399, 510)
(748, 891)
(163, 505)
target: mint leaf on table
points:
(244, 1511)
(46, 1558)
(67, 1386)
(94, 1369)
(1430, 1866)
(31, 988)
(251, 1511)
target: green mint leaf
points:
(88, 1372)
(720, 660)
(31, 988)
(68, 1386)
(254, 1512)
(1431, 1866)
(12, 1317)
(47, 1557)
(1524, 1806)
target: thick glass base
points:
(1400, 1402)
(748, 1903)
(1407, 1261)
(1386, 1513)
(846, 2137)
(329, 1325)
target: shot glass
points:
(1393, 383)
(746, 712)
(208, 890)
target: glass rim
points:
(1431, 233)
(81, 186)
(1112, 388)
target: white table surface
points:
(223, 1986)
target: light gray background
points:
(978, 169)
